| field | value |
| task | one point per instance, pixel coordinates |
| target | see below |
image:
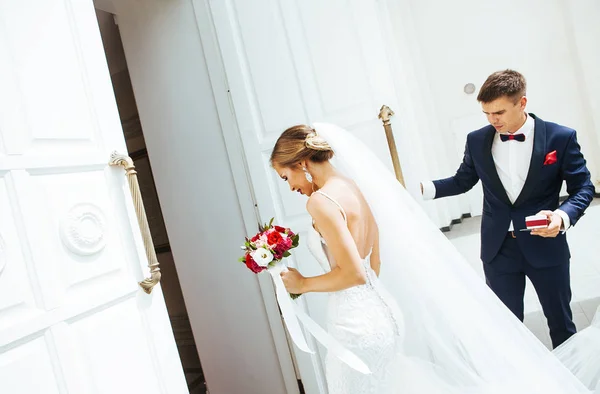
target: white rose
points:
(262, 256)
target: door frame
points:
(244, 189)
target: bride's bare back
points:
(360, 222)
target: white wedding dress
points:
(364, 319)
(429, 324)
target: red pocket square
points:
(550, 158)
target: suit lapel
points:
(490, 167)
(537, 159)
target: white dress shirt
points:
(512, 159)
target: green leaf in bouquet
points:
(295, 240)
(287, 254)
(242, 259)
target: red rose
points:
(251, 264)
(278, 251)
(274, 238)
(281, 248)
(255, 238)
(287, 242)
(280, 229)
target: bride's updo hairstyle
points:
(300, 143)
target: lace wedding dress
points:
(367, 321)
(429, 324)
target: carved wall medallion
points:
(83, 229)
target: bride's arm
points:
(348, 271)
(375, 259)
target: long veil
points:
(454, 323)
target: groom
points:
(522, 162)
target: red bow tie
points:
(509, 137)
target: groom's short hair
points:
(507, 83)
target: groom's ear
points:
(523, 102)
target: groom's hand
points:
(553, 228)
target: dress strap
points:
(335, 202)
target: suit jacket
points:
(540, 192)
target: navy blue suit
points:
(508, 260)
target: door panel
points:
(72, 318)
(298, 62)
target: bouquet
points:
(265, 251)
(267, 248)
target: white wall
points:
(194, 179)
(584, 30)
(553, 43)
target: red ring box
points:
(536, 221)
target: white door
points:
(72, 318)
(291, 62)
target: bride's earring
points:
(307, 174)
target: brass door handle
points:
(385, 113)
(117, 159)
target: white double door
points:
(72, 319)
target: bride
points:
(430, 325)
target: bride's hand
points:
(293, 281)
